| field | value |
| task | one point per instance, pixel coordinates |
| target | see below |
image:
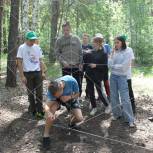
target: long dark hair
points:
(123, 40)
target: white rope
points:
(94, 135)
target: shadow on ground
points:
(100, 135)
(22, 134)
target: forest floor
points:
(19, 133)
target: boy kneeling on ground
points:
(63, 91)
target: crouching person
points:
(63, 91)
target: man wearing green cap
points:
(31, 72)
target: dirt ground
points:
(19, 133)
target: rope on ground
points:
(94, 135)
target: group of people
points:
(79, 60)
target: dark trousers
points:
(86, 88)
(91, 91)
(76, 73)
(35, 91)
(131, 94)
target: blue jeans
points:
(119, 96)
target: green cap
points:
(124, 37)
(31, 35)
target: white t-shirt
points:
(129, 72)
(31, 57)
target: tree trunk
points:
(12, 44)
(35, 9)
(25, 19)
(5, 32)
(54, 23)
(1, 19)
(6, 16)
(61, 17)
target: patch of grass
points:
(143, 70)
(53, 71)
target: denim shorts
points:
(71, 104)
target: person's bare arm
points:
(20, 68)
(51, 110)
(46, 108)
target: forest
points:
(21, 133)
(109, 17)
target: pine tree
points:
(54, 23)
(12, 44)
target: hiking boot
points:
(93, 111)
(108, 109)
(132, 125)
(46, 142)
(73, 126)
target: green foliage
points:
(53, 69)
(142, 70)
(139, 14)
(109, 17)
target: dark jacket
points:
(100, 59)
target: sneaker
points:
(98, 99)
(131, 125)
(73, 126)
(108, 109)
(90, 107)
(93, 111)
(150, 119)
(46, 142)
(113, 118)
